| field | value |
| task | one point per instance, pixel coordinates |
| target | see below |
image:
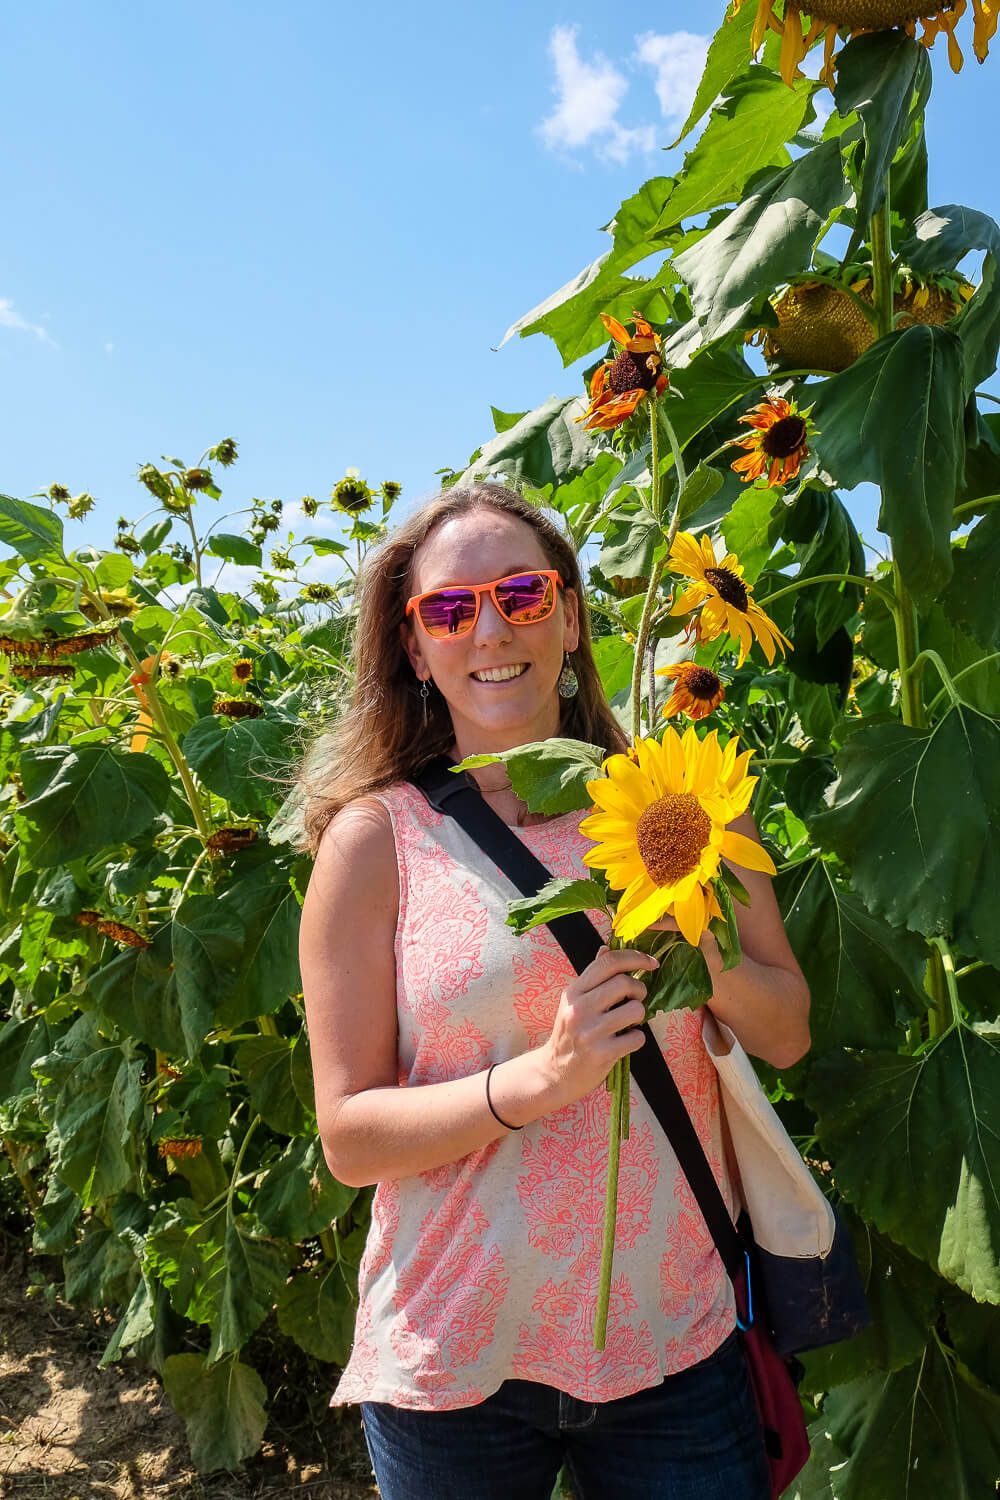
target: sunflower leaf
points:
(558, 898)
(915, 815)
(549, 775)
(727, 57)
(736, 888)
(724, 928)
(885, 78)
(682, 982)
(766, 239)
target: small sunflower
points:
(697, 690)
(237, 708)
(830, 18)
(661, 831)
(242, 669)
(618, 385)
(352, 495)
(230, 840)
(777, 445)
(180, 1146)
(726, 599)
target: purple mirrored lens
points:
(448, 612)
(526, 597)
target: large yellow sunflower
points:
(830, 18)
(728, 605)
(660, 829)
(619, 385)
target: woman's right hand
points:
(587, 1036)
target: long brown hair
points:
(381, 738)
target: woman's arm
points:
(765, 999)
(370, 1127)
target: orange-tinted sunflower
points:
(726, 599)
(830, 18)
(697, 690)
(619, 385)
(777, 445)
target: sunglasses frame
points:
(479, 589)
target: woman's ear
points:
(408, 640)
(571, 620)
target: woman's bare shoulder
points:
(356, 856)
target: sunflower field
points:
(783, 320)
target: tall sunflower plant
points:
(801, 305)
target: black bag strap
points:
(458, 797)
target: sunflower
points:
(777, 445)
(660, 830)
(237, 708)
(618, 385)
(697, 690)
(242, 669)
(728, 605)
(352, 495)
(830, 18)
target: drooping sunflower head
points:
(352, 495)
(724, 600)
(619, 385)
(119, 604)
(660, 829)
(696, 692)
(833, 18)
(777, 446)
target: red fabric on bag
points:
(786, 1441)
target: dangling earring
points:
(568, 686)
(425, 693)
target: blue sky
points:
(305, 227)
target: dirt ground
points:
(70, 1431)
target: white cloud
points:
(109, 347)
(589, 95)
(678, 61)
(11, 319)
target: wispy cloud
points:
(678, 61)
(589, 94)
(11, 319)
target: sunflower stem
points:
(942, 671)
(610, 1209)
(804, 583)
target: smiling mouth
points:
(500, 674)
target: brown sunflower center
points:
(630, 372)
(730, 588)
(786, 437)
(702, 683)
(670, 836)
(876, 15)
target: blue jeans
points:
(696, 1436)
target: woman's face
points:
(475, 548)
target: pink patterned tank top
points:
(487, 1269)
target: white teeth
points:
(500, 674)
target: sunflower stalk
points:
(619, 1087)
(653, 588)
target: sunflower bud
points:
(224, 453)
(281, 560)
(197, 479)
(319, 593)
(391, 491)
(127, 543)
(80, 505)
(268, 522)
(266, 591)
(309, 505)
(352, 496)
(155, 482)
(58, 493)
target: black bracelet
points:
(489, 1101)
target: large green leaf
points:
(92, 1092)
(241, 759)
(752, 527)
(244, 1276)
(297, 1196)
(885, 78)
(278, 1076)
(559, 897)
(826, 542)
(764, 241)
(21, 1042)
(862, 973)
(916, 815)
(207, 944)
(747, 132)
(31, 530)
(921, 1433)
(550, 775)
(261, 898)
(136, 991)
(547, 446)
(237, 549)
(316, 1310)
(895, 418)
(222, 1405)
(972, 599)
(728, 55)
(82, 798)
(916, 1143)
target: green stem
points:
(329, 1244)
(660, 415)
(23, 1175)
(905, 616)
(971, 505)
(973, 667)
(804, 583)
(610, 1210)
(942, 671)
(268, 1026)
(882, 269)
(239, 1162)
(977, 963)
(945, 986)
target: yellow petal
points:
(629, 924)
(747, 853)
(690, 915)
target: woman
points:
(473, 1360)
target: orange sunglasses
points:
(521, 598)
